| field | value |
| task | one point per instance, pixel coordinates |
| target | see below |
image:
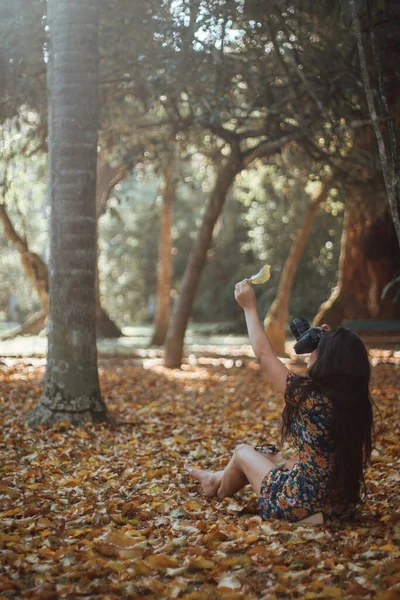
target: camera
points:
(307, 337)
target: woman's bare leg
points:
(246, 466)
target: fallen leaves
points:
(108, 512)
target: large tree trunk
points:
(72, 390)
(197, 260)
(164, 275)
(369, 259)
(276, 319)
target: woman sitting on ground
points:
(328, 418)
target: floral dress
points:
(304, 490)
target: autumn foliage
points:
(108, 512)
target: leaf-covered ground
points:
(108, 512)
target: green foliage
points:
(261, 214)
(277, 198)
(201, 74)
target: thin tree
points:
(164, 272)
(276, 319)
(72, 390)
(389, 163)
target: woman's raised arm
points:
(264, 353)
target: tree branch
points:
(391, 183)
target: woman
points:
(328, 418)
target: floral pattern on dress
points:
(304, 490)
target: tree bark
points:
(33, 265)
(369, 258)
(181, 311)
(105, 326)
(390, 172)
(164, 275)
(276, 319)
(72, 390)
(34, 325)
(108, 176)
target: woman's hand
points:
(244, 294)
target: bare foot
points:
(210, 482)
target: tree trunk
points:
(34, 325)
(107, 178)
(389, 161)
(164, 275)
(33, 265)
(105, 326)
(276, 319)
(369, 258)
(197, 260)
(72, 390)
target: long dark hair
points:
(341, 373)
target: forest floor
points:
(107, 511)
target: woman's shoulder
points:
(296, 387)
(303, 388)
(297, 381)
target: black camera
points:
(307, 337)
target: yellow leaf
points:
(389, 548)
(262, 276)
(10, 513)
(43, 522)
(331, 592)
(120, 539)
(202, 563)
(5, 537)
(116, 566)
(386, 595)
(117, 518)
(251, 538)
(45, 533)
(79, 532)
(315, 585)
(161, 562)
(236, 559)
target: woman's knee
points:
(242, 450)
